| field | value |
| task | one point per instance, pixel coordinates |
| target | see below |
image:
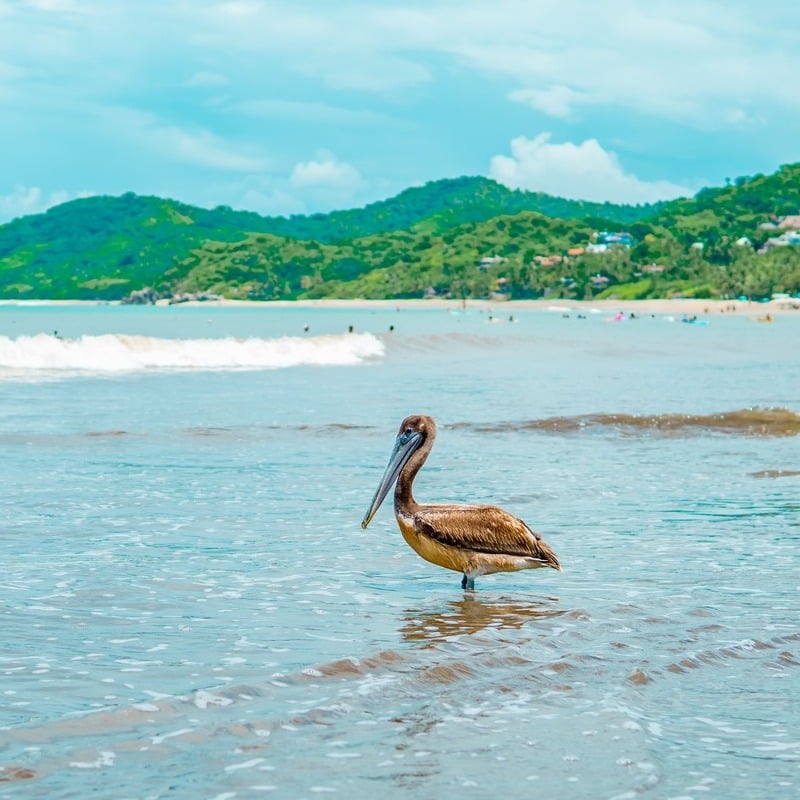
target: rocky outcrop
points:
(141, 297)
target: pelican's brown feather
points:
(482, 529)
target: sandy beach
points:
(675, 307)
(678, 307)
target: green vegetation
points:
(467, 237)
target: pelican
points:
(472, 540)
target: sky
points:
(296, 107)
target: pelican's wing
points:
(485, 529)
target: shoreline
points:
(677, 306)
(689, 306)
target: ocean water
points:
(190, 608)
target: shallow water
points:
(191, 609)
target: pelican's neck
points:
(403, 495)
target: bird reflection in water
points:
(470, 615)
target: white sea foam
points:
(116, 353)
(105, 759)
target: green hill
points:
(426, 239)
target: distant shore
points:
(677, 306)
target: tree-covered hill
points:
(391, 265)
(106, 247)
(461, 237)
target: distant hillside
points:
(396, 264)
(428, 239)
(444, 204)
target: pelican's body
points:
(472, 540)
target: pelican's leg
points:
(468, 584)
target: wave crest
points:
(115, 353)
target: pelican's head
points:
(414, 431)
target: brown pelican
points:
(473, 540)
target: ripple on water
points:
(492, 677)
(180, 601)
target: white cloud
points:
(579, 171)
(691, 62)
(32, 200)
(372, 72)
(348, 46)
(196, 146)
(659, 57)
(203, 148)
(325, 173)
(557, 101)
(307, 112)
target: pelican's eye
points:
(406, 434)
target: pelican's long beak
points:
(404, 446)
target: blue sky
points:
(299, 107)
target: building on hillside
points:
(547, 261)
(789, 238)
(790, 222)
(622, 238)
(491, 261)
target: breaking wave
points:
(118, 353)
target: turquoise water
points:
(191, 610)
